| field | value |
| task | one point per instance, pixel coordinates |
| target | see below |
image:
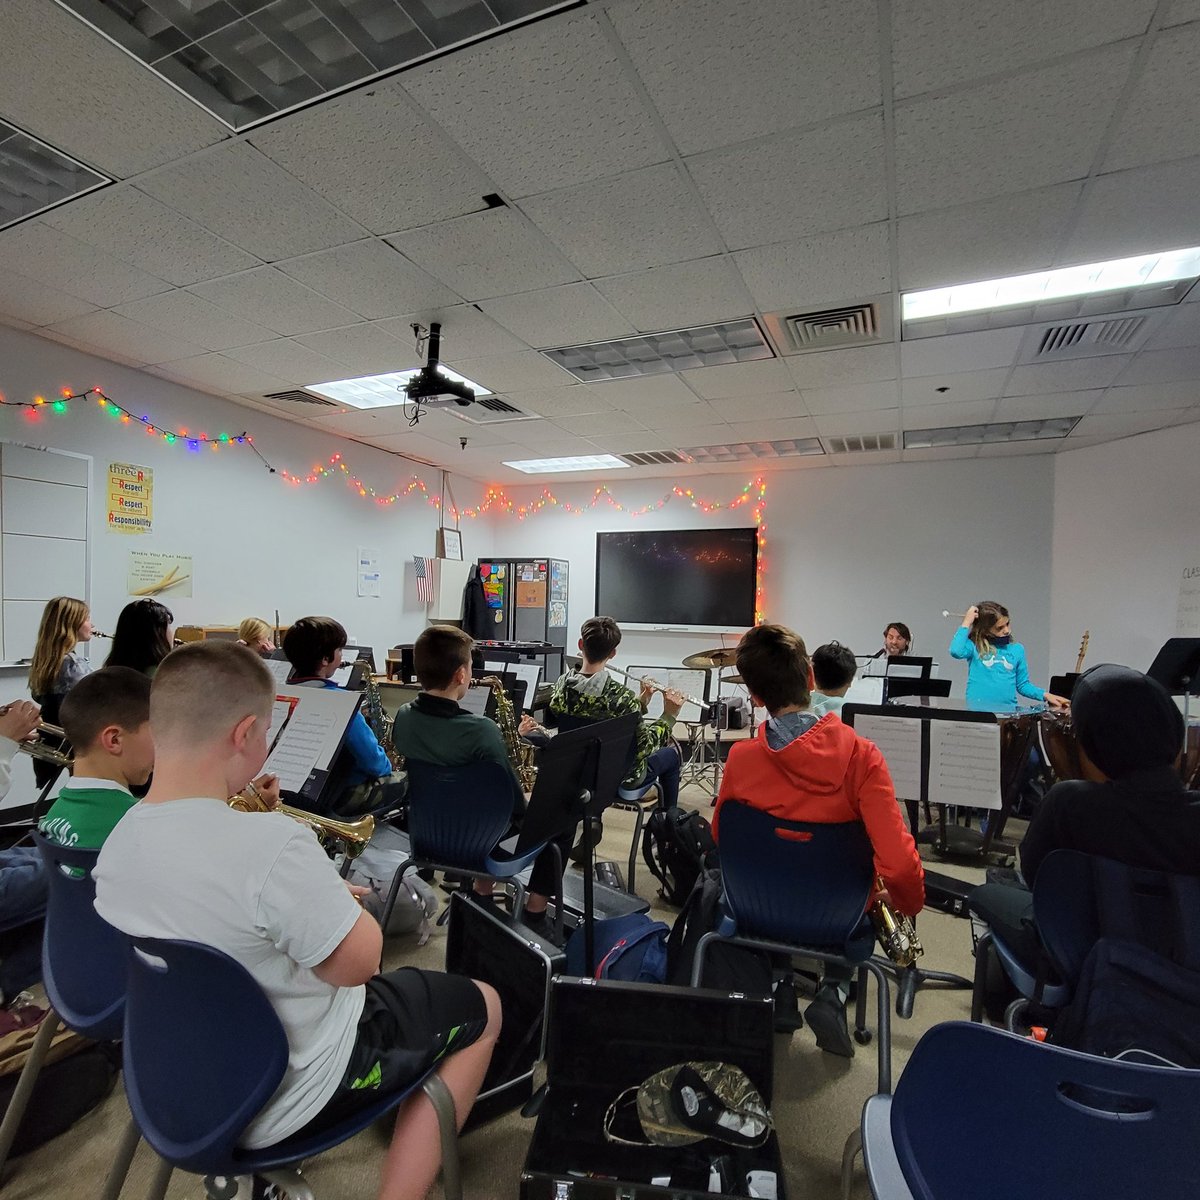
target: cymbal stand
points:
(717, 738)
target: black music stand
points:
(897, 687)
(579, 772)
(1177, 667)
(924, 665)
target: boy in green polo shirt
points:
(106, 717)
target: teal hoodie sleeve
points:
(1030, 691)
(961, 645)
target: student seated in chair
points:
(314, 646)
(182, 864)
(1130, 805)
(801, 767)
(434, 728)
(834, 667)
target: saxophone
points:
(520, 753)
(379, 722)
(896, 932)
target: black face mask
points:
(1002, 640)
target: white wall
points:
(1126, 517)
(848, 549)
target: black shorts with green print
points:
(410, 1020)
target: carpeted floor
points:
(817, 1100)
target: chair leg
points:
(852, 1150)
(698, 963)
(638, 821)
(862, 1034)
(978, 991)
(162, 1176)
(120, 1164)
(443, 1105)
(24, 1089)
(393, 892)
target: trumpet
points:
(655, 685)
(350, 836)
(44, 751)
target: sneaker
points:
(541, 925)
(826, 1016)
(578, 853)
(487, 902)
(787, 1008)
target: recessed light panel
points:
(979, 435)
(382, 391)
(750, 451)
(34, 176)
(246, 61)
(581, 462)
(663, 353)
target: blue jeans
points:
(22, 909)
(663, 767)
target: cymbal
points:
(710, 660)
(733, 679)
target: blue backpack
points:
(632, 948)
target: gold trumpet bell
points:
(351, 837)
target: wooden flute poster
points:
(154, 574)
(130, 498)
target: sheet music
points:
(866, 690)
(281, 713)
(686, 680)
(531, 673)
(309, 740)
(964, 763)
(280, 668)
(899, 741)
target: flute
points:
(655, 685)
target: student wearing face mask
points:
(997, 672)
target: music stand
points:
(579, 772)
(1177, 667)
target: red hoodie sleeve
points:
(896, 857)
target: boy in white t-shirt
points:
(182, 864)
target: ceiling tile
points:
(858, 424)
(829, 368)
(677, 417)
(274, 299)
(1147, 396)
(37, 303)
(1042, 378)
(369, 278)
(491, 253)
(1023, 449)
(645, 442)
(691, 293)
(559, 316)
(71, 87)
(655, 210)
(985, 240)
(1181, 328)
(722, 69)
(290, 360)
(542, 434)
(768, 377)
(1162, 118)
(240, 194)
(937, 416)
(760, 407)
(142, 343)
(216, 372)
(466, 332)
(412, 445)
(371, 422)
(1164, 366)
(39, 252)
(960, 388)
(928, 453)
(374, 157)
(632, 395)
(572, 401)
(1136, 212)
(831, 268)
(770, 431)
(798, 184)
(598, 424)
(940, 42)
(960, 352)
(514, 372)
(1026, 131)
(186, 316)
(859, 397)
(1035, 408)
(365, 349)
(1182, 11)
(559, 77)
(1114, 425)
(132, 226)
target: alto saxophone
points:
(896, 932)
(520, 753)
(378, 721)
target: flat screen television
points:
(693, 579)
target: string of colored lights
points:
(753, 493)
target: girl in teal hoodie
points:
(997, 671)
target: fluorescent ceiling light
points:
(1119, 274)
(581, 462)
(980, 435)
(34, 176)
(382, 391)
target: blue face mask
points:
(1005, 640)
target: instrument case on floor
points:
(489, 945)
(605, 1037)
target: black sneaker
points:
(826, 1016)
(787, 1008)
(541, 925)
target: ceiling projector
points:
(432, 387)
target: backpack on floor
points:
(631, 948)
(677, 846)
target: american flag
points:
(424, 572)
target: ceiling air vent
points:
(300, 396)
(1108, 337)
(860, 443)
(490, 410)
(859, 324)
(654, 458)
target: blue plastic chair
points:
(1080, 898)
(193, 1096)
(981, 1114)
(83, 970)
(638, 801)
(457, 817)
(801, 888)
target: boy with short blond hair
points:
(258, 887)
